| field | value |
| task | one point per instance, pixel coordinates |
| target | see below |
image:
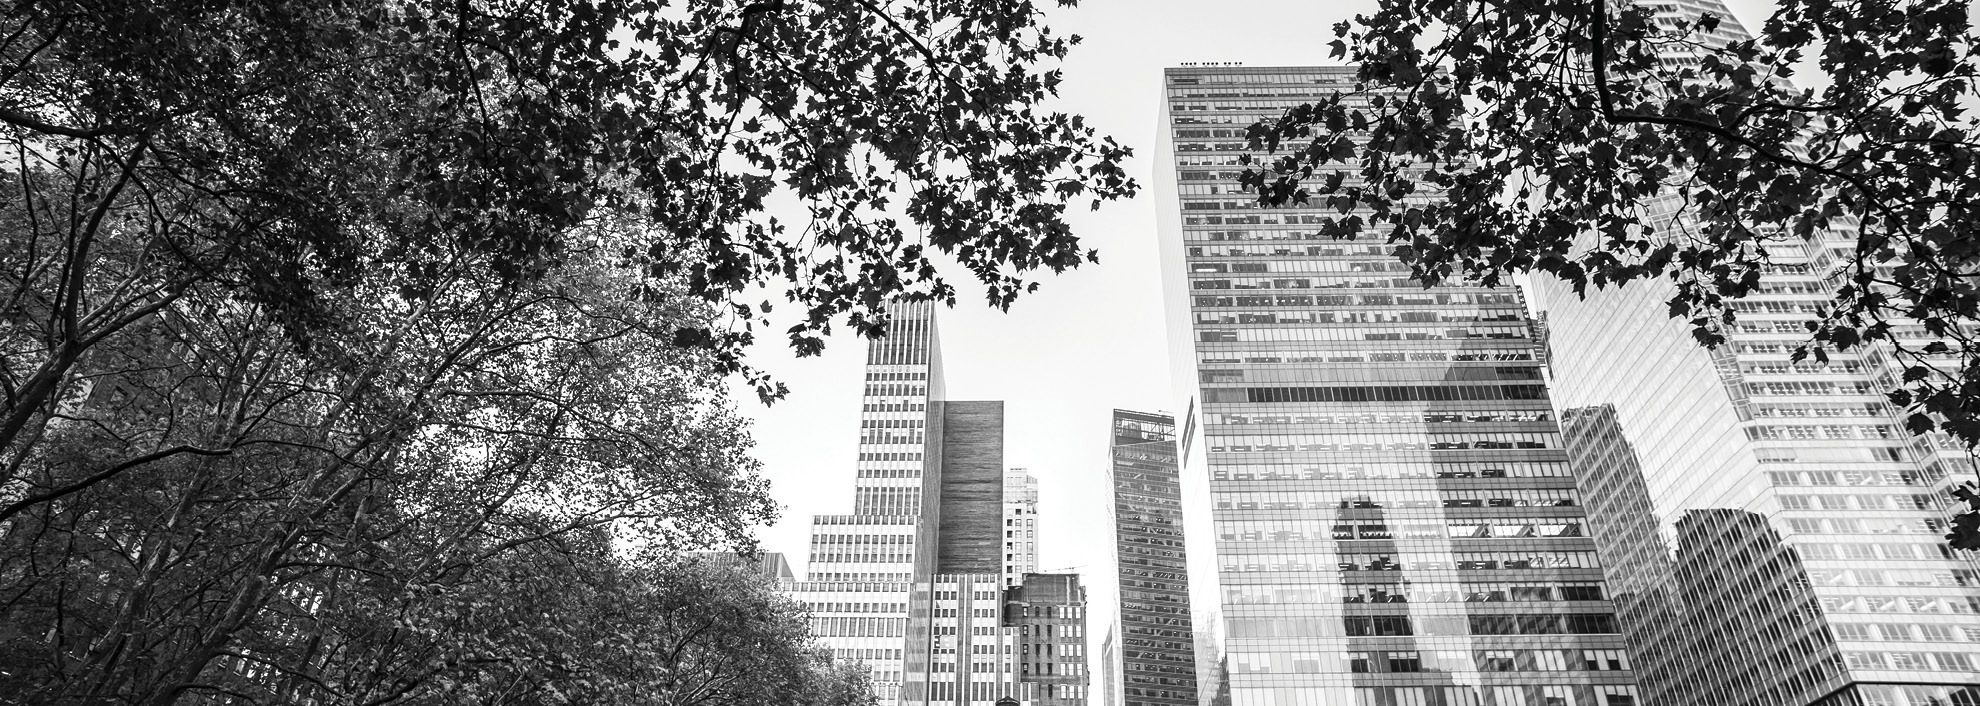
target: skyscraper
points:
(1158, 656)
(1778, 530)
(911, 582)
(1394, 515)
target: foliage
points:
(220, 483)
(1601, 143)
(312, 301)
(564, 622)
(281, 150)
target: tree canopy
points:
(322, 307)
(1604, 143)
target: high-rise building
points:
(1157, 652)
(1771, 530)
(911, 582)
(1049, 611)
(1395, 519)
(1020, 525)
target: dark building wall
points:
(972, 489)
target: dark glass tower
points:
(1158, 655)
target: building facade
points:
(1157, 652)
(911, 581)
(1775, 535)
(1020, 525)
(1395, 519)
(1049, 611)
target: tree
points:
(1545, 137)
(221, 484)
(281, 151)
(563, 622)
(306, 302)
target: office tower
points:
(1782, 532)
(863, 565)
(1158, 656)
(911, 581)
(1020, 525)
(1049, 611)
(1395, 517)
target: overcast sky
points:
(1088, 341)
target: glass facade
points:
(1394, 517)
(1773, 536)
(1158, 656)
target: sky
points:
(1090, 340)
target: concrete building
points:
(1395, 519)
(1020, 525)
(911, 582)
(1049, 611)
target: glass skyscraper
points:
(1158, 656)
(1772, 533)
(1394, 517)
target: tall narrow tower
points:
(1395, 520)
(1158, 655)
(1020, 525)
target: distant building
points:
(1157, 651)
(1109, 687)
(1020, 525)
(770, 566)
(1049, 611)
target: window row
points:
(1360, 500)
(1498, 695)
(1402, 625)
(1389, 316)
(1862, 501)
(1398, 469)
(1770, 432)
(1886, 603)
(1411, 418)
(1362, 332)
(1374, 393)
(1229, 357)
(1273, 594)
(1494, 529)
(1826, 478)
(1459, 561)
(1265, 266)
(858, 627)
(1880, 577)
(1913, 661)
(1844, 525)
